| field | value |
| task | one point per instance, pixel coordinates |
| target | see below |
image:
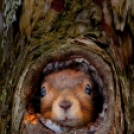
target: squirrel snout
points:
(65, 104)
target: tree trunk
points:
(39, 32)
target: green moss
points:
(3, 94)
(37, 54)
(77, 8)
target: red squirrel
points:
(67, 98)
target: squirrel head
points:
(67, 98)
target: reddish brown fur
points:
(68, 85)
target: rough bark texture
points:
(50, 30)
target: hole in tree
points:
(97, 98)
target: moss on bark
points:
(92, 27)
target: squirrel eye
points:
(88, 89)
(43, 91)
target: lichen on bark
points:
(51, 30)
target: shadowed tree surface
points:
(39, 32)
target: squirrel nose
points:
(65, 104)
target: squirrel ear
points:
(88, 89)
(43, 91)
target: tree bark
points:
(51, 30)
